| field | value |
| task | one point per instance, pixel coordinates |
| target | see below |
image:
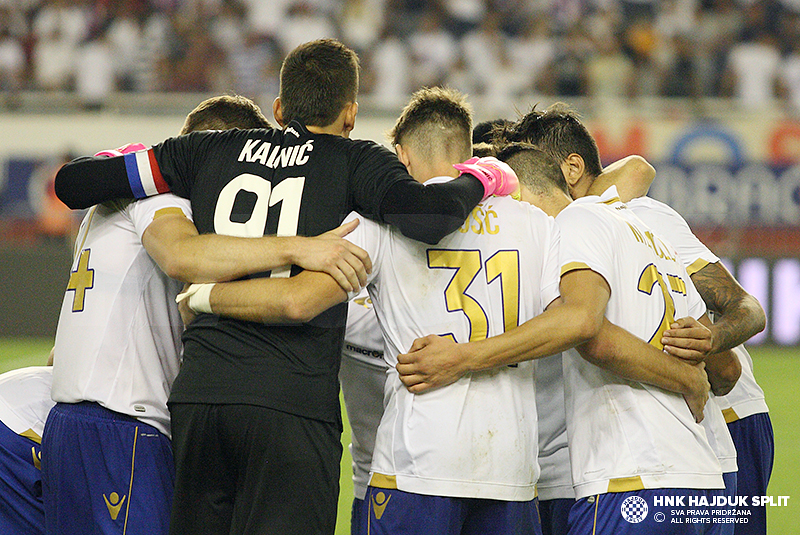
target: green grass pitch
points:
(776, 370)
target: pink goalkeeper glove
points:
(125, 149)
(496, 176)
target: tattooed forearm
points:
(739, 314)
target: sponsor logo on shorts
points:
(379, 502)
(634, 509)
(114, 504)
(37, 458)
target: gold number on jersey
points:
(467, 264)
(80, 280)
(505, 265)
(647, 280)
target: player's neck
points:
(550, 203)
(334, 129)
(423, 171)
(343, 124)
(581, 187)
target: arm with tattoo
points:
(739, 314)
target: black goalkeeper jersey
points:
(271, 181)
(286, 182)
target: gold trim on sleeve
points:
(696, 266)
(573, 266)
(625, 484)
(730, 415)
(168, 211)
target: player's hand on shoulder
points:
(688, 339)
(330, 253)
(119, 151)
(497, 177)
(431, 362)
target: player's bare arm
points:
(174, 243)
(623, 354)
(295, 299)
(688, 339)
(431, 362)
(741, 313)
(723, 367)
(576, 319)
(632, 175)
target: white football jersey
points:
(118, 336)
(624, 435)
(476, 438)
(25, 400)
(747, 397)
(362, 375)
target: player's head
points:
(559, 132)
(483, 149)
(536, 170)
(484, 131)
(319, 82)
(433, 132)
(223, 113)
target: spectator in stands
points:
(790, 78)
(532, 51)
(389, 69)
(433, 51)
(12, 59)
(305, 21)
(95, 70)
(752, 71)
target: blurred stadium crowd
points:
(748, 50)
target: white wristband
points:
(199, 296)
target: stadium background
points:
(707, 90)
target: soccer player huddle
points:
(527, 346)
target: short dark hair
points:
(484, 131)
(537, 171)
(318, 79)
(438, 118)
(483, 149)
(557, 131)
(223, 113)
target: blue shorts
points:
(731, 486)
(394, 512)
(358, 517)
(104, 473)
(21, 508)
(755, 452)
(554, 515)
(647, 512)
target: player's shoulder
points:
(222, 136)
(349, 145)
(507, 205)
(29, 373)
(149, 206)
(652, 205)
(586, 208)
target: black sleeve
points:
(88, 181)
(384, 191)
(429, 213)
